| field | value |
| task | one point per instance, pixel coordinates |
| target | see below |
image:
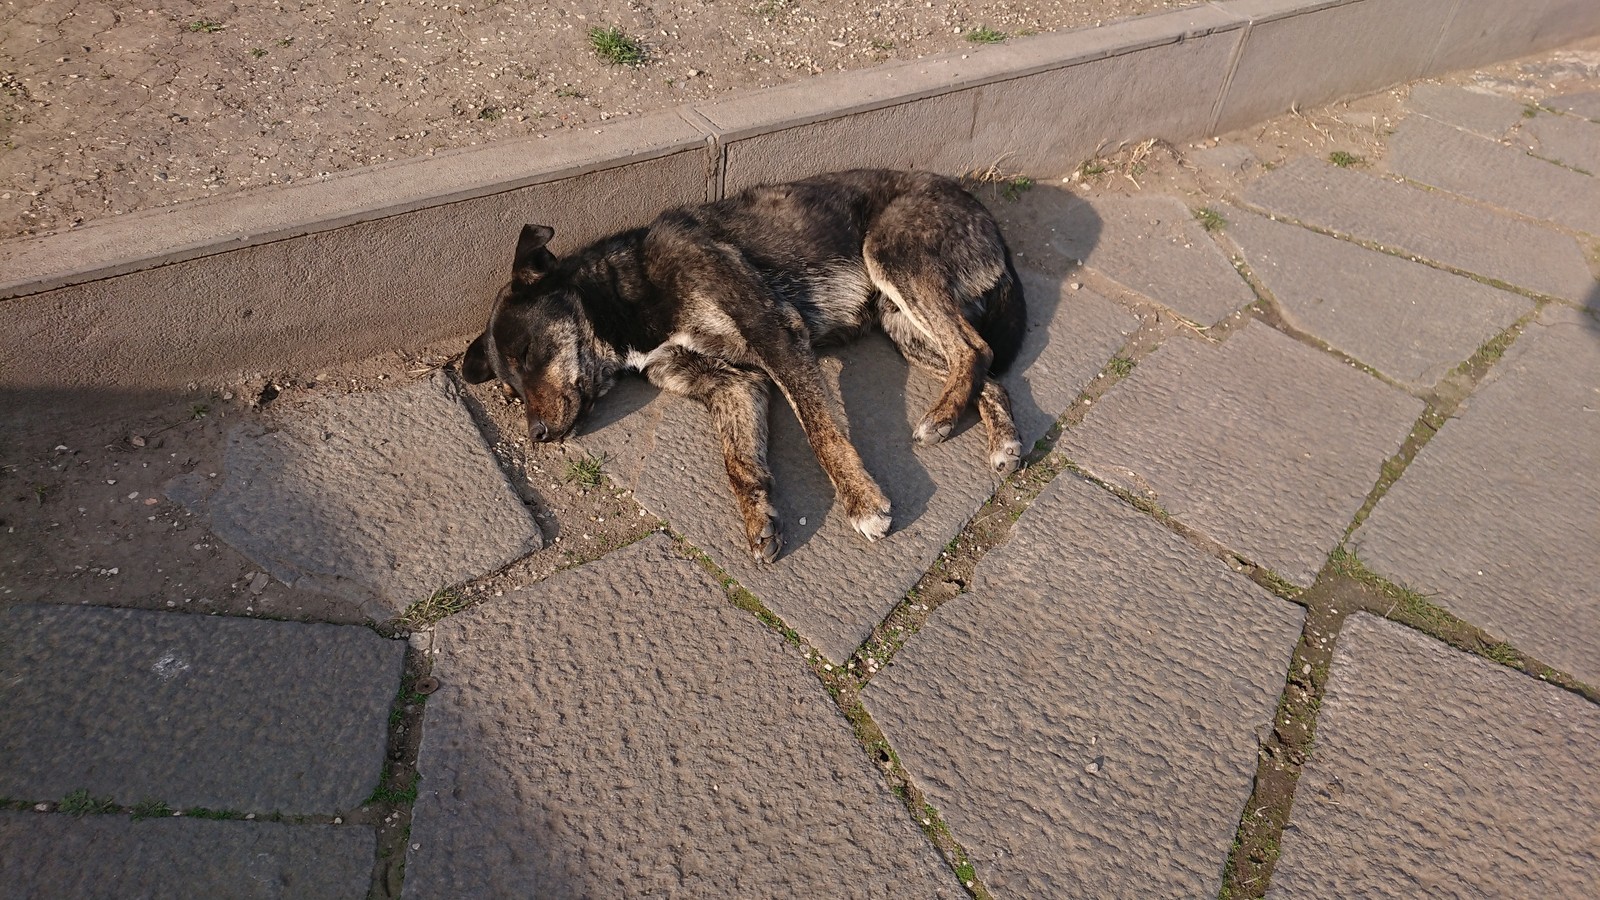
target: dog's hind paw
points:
(1005, 458)
(874, 525)
(930, 432)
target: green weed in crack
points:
(1210, 219)
(81, 803)
(435, 607)
(151, 809)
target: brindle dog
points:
(717, 301)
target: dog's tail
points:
(1005, 318)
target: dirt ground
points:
(110, 107)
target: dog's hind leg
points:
(930, 279)
(1005, 445)
(994, 403)
(737, 400)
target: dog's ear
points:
(533, 259)
(475, 365)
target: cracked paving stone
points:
(1483, 112)
(224, 713)
(1496, 518)
(1436, 154)
(1567, 140)
(110, 856)
(1408, 321)
(1087, 718)
(1263, 443)
(830, 584)
(1438, 773)
(1153, 246)
(621, 730)
(380, 498)
(1428, 224)
(1584, 103)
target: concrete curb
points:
(409, 253)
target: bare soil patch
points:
(107, 108)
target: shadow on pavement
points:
(1591, 305)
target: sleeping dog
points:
(719, 301)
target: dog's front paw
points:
(1005, 458)
(931, 432)
(767, 541)
(872, 521)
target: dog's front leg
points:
(737, 400)
(788, 358)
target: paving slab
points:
(1568, 140)
(1496, 517)
(228, 714)
(622, 730)
(1087, 719)
(380, 498)
(1153, 246)
(1408, 321)
(1440, 774)
(1428, 224)
(43, 857)
(1431, 152)
(1480, 111)
(1584, 103)
(830, 584)
(1267, 445)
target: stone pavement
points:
(1378, 385)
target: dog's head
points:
(540, 343)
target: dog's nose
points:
(537, 430)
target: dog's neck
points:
(625, 310)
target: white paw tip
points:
(872, 527)
(1006, 459)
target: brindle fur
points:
(717, 301)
